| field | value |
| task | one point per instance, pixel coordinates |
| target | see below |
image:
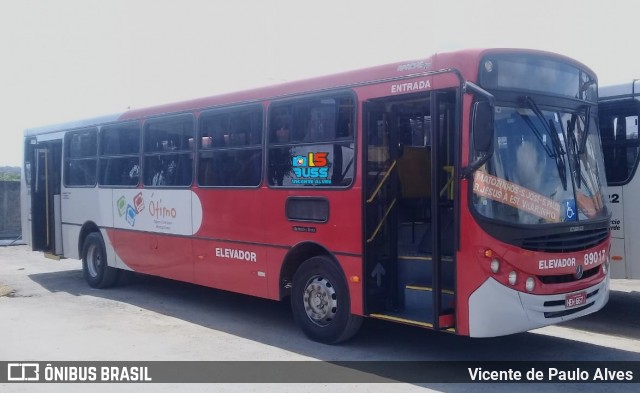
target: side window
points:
(28, 156)
(311, 142)
(230, 148)
(80, 158)
(168, 151)
(120, 155)
(620, 144)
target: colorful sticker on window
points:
(522, 198)
(311, 169)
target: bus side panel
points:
(156, 254)
(352, 267)
(82, 205)
(231, 266)
(631, 216)
(70, 238)
(619, 268)
(152, 230)
(341, 233)
(275, 258)
(231, 214)
(229, 248)
(25, 208)
(620, 264)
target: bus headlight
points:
(530, 284)
(513, 276)
(495, 265)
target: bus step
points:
(52, 256)
(413, 269)
(419, 298)
(446, 320)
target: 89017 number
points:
(593, 258)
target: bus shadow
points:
(620, 317)
(271, 323)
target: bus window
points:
(81, 149)
(311, 143)
(120, 155)
(167, 151)
(230, 148)
(619, 133)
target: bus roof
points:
(620, 90)
(465, 61)
(94, 121)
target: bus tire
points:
(321, 303)
(94, 263)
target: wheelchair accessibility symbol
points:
(570, 210)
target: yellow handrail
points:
(384, 179)
(449, 185)
(384, 218)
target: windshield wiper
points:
(573, 150)
(550, 129)
(587, 121)
(560, 163)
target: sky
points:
(67, 60)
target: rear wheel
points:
(321, 303)
(94, 263)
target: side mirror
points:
(482, 133)
(482, 129)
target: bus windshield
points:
(546, 167)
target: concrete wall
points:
(10, 227)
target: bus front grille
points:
(567, 242)
(566, 278)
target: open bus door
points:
(380, 234)
(409, 204)
(46, 224)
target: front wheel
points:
(321, 303)
(94, 263)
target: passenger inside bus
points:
(282, 133)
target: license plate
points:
(575, 300)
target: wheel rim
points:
(320, 301)
(94, 260)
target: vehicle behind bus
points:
(619, 109)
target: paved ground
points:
(47, 312)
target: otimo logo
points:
(130, 212)
(168, 211)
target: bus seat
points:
(414, 173)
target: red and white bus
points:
(461, 192)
